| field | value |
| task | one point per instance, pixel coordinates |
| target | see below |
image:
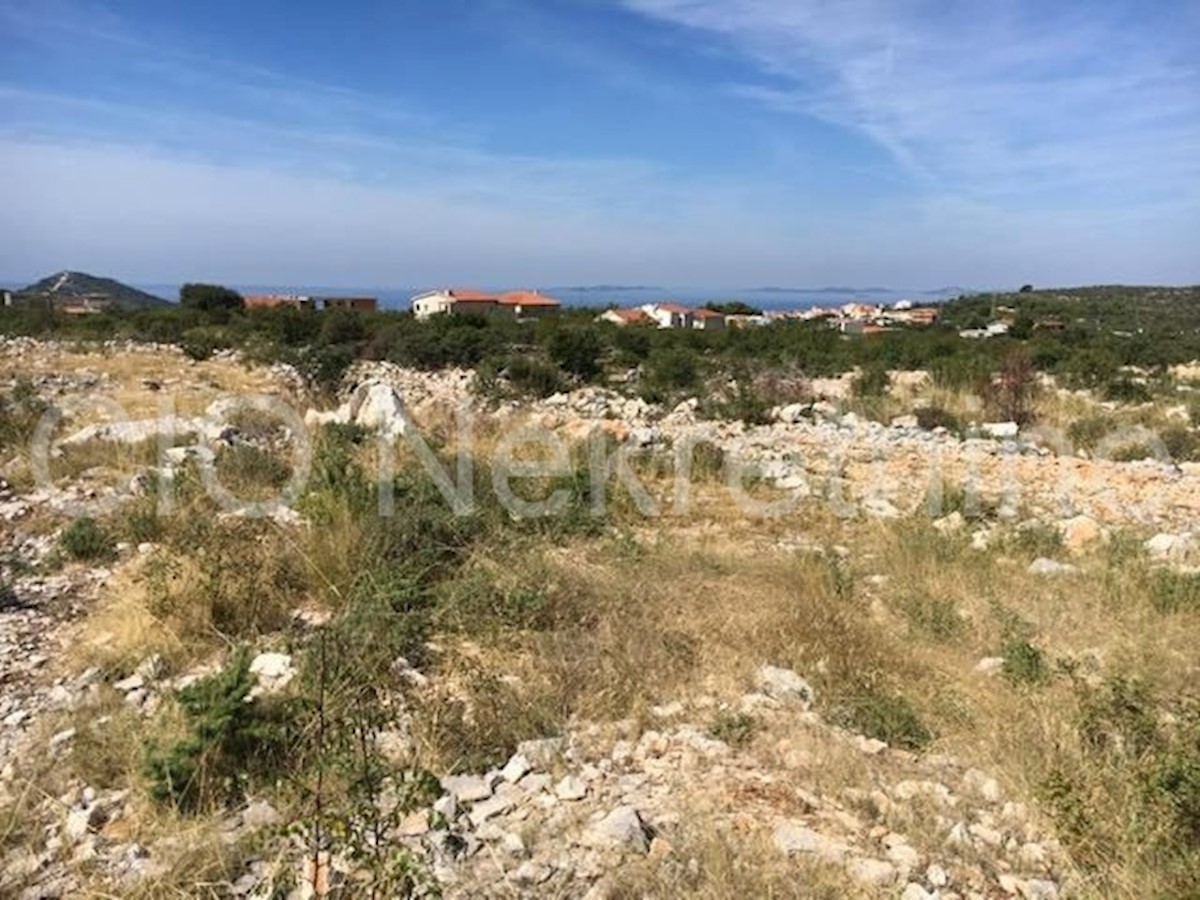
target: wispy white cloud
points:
(239, 172)
(1005, 101)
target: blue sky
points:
(712, 143)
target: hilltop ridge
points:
(72, 285)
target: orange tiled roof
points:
(708, 314)
(632, 315)
(674, 309)
(468, 296)
(527, 298)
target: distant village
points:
(523, 305)
(850, 318)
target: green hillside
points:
(68, 285)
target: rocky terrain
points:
(627, 807)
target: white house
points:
(669, 315)
(439, 302)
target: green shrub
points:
(141, 523)
(1182, 443)
(1034, 540)
(232, 742)
(577, 350)
(243, 584)
(934, 617)
(886, 717)
(931, 417)
(1148, 763)
(670, 372)
(1126, 390)
(1174, 592)
(337, 481)
(1133, 451)
(324, 367)
(1023, 662)
(533, 378)
(87, 541)
(197, 347)
(476, 603)
(514, 377)
(735, 729)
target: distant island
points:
(824, 290)
(604, 288)
(78, 290)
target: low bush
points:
(232, 741)
(1182, 443)
(933, 617)
(1126, 390)
(1024, 664)
(86, 540)
(735, 729)
(887, 717)
(1033, 540)
(931, 417)
(1175, 592)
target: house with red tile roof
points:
(623, 317)
(529, 304)
(361, 304)
(516, 304)
(446, 300)
(278, 301)
(708, 320)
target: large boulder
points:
(1000, 430)
(1171, 546)
(621, 828)
(273, 672)
(1080, 533)
(135, 431)
(377, 406)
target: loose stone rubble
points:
(565, 813)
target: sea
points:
(601, 296)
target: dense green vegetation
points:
(1086, 336)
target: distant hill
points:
(64, 286)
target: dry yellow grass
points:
(187, 387)
(537, 635)
(730, 866)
